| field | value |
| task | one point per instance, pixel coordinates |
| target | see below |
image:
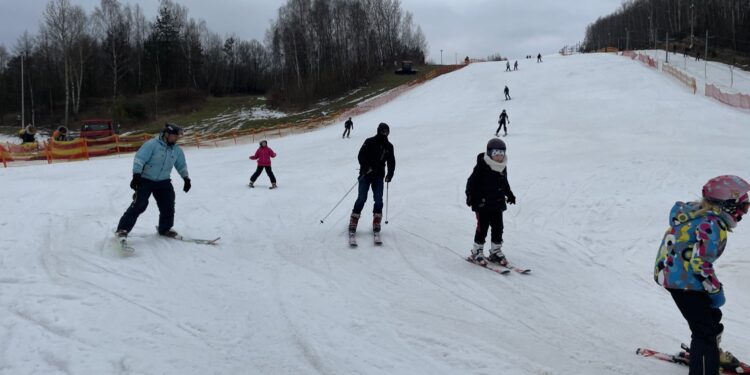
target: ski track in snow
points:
(599, 149)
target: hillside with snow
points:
(599, 149)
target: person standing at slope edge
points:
(507, 93)
(487, 191)
(685, 261)
(376, 153)
(152, 167)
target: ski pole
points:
(341, 200)
(386, 201)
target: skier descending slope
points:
(684, 266)
(502, 124)
(375, 153)
(487, 191)
(152, 167)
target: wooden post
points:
(85, 148)
(234, 135)
(197, 140)
(48, 151)
(117, 143)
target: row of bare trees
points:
(319, 47)
(115, 57)
(641, 24)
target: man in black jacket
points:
(375, 153)
(487, 191)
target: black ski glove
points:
(511, 199)
(135, 183)
(468, 200)
(388, 179)
(187, 185)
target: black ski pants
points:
(163, 194)
(485, 220)
(705, 325)
(258, 172)
(502, 125)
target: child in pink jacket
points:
(263, 156)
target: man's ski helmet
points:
(730, 193)
(170, 128)
(384, 129)
(495, 144)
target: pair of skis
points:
(683, 358)
(502, 269)
(377, 240)
(128, 249)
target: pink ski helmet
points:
(730, 193)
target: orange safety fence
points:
(23, 152)
(738, 100)
(682, 77)
(83, 148)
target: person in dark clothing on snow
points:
(28, 134)
(487, 191)
(539, 58)
(507, 93)
(696, 238)
(375, 154)
(507, 66)
(152, 167)
(501, 122)
(515, 65)
(348, 126)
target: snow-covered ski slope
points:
(599, 149)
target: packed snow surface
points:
(599, 149)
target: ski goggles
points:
(497, 152)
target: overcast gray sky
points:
(476, 28)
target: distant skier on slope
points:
(502, 123)
(539, 58)
(348, 126)
(507, 93)
(152, 167)
(487, 191)
(515, 65)
(507, 66)
(375, 154)
(263, 155)
(685, 266)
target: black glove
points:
(468, 200)
(135, 183)
(187, 185)
(388, 179)
(511, 199)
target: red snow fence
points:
(738, 100)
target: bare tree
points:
(80, 52)
(113, 26)
(58, 22)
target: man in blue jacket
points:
(151, 175)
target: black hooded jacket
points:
(375, 153)
(487, 189)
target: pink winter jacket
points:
(263, 156)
